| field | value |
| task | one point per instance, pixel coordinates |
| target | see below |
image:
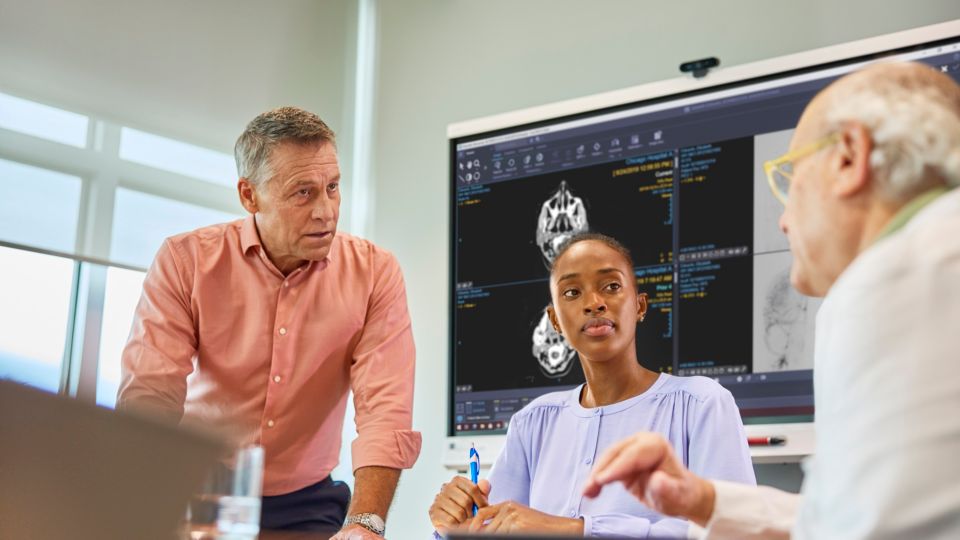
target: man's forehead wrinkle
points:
(308, 170)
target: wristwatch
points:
(371, 522)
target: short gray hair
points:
(913, 114)
(266, 131)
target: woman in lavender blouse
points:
(536, 482)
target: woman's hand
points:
(453, 506)
(509, 517)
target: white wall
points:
(447, 60)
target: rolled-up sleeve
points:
(382, 375)
(743, 512)
(159, 353)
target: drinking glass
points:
(227, 505)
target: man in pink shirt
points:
(264, 325)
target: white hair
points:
(913, 115)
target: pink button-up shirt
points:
(221, 337)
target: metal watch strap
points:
(371, 522)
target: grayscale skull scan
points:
(552, 352)
(562, 216)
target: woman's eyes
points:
(575, 293)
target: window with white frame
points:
(84, 205)
(37, 294)
(38, 207)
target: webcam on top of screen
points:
(700, 68)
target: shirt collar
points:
(911, 209)
(579, 410)
(249, 236)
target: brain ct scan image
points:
(562, 216)
(552, 352)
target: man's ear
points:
(853, 160)
(248, 195)
(552, 313)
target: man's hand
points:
(454, 504)
(648, 467)
(510, 517)
(355, 532)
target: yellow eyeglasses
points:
(780, 171)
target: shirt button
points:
(283, 331)
(286, 284)
(597, 412)
(270, 423)
(588, 461)
(573, 513)
(276, 378)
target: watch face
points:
(370, 521)
(376, 521)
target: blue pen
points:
(474, 469)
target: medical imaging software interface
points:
(680, 182)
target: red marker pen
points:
(766, 441)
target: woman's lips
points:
(598, 327)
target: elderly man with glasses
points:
(873, 217)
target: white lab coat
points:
(887, 384)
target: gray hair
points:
(266, 131)
(913, 114)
